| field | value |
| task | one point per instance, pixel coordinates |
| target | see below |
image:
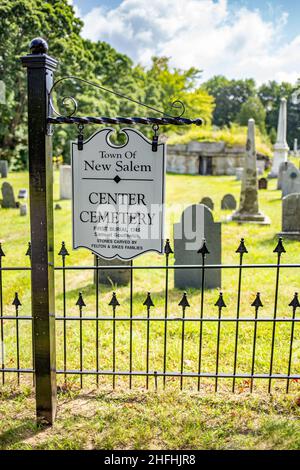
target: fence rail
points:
(150, 349)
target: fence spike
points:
(257, 301)
(148, 302)
(203, 250)
(80, 302)
(242, 247)
(279, 247)
(63, 251)
(167, 249)
(184, 301)
(220, 302)
(1, 251)
(28, 252)
(295, 302)
(114, 301)
(16, 301)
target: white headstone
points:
(65, 182)
(23, 209)
(281, 148)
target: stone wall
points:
(216, 158)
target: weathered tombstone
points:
(23, 209)
(295, 147)
(262, 183)
(228, 202)
(65, 182)
(196, 224)
(290, 181)
(112, 276)
(3, 168)
(239, 173)
(283, 167)
(208, 202)
(248, 210)
(23, 194)
(281, 147)
(291, 216)
(8, 197)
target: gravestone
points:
(291, 216)
(248, 209)
(23, 209)
(283, 167)
(65, 182)
(281, 147)
(228, 202)
(197, 223)
(295, 147)
(290, 181)
(239, 173)
(208, 202)
(23, 194)
(262, 183)
(3, 168)
(8, 197)
(112, 276)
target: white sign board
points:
(118, 195)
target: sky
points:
(235, 38)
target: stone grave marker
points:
(3, 168)
(23, 209)
(290, 182)
(262, 183)
(23, 194)
(291, 216)
(228, 202)
(208, 202)
(112, 276)
(8, 197)
(248, 210)
(281, 147)
(65, 182)
(197, 223)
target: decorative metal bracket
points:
(70, 118)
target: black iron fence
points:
(183, 341)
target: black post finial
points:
(38, 46)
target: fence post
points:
(40, 69)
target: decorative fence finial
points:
(167, 249)
(63, 251)
(38, 46)
(1, 251)
(279, 247)
(242, 247)
(148, 302)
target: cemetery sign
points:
(118, 195)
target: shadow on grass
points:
(28, 428)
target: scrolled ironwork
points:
(167, 119)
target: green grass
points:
(203, 421)
(260, 241)
(148, 420)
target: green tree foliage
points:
(20, 21)
(252, 109)
(54, 20)
(229, 96)
(270, 95)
